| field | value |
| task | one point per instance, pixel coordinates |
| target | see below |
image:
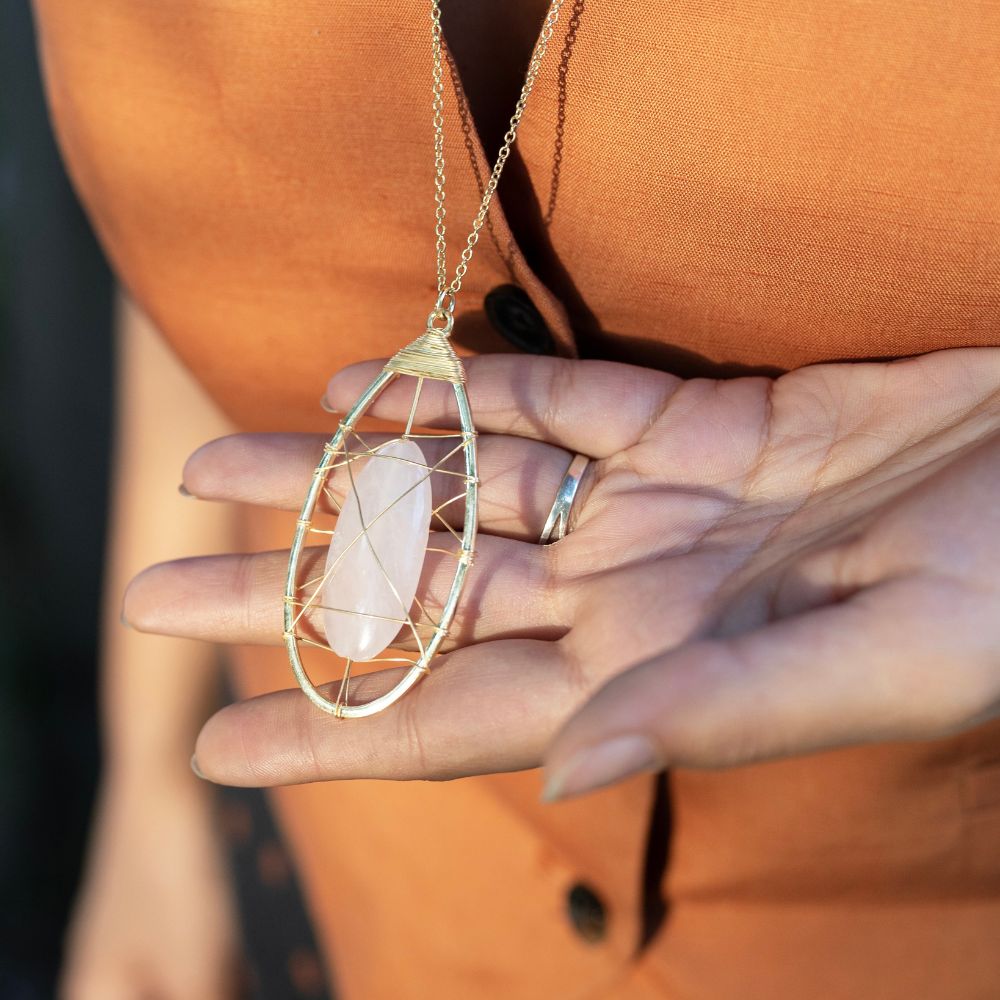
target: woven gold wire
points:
(421, 627)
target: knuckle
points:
(581, 679)
(558, 392)
(313, 743)
(410, 745)
(551, 582)
(246, 579)
(251, 750)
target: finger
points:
(518, 478)
(839, 675)
(594, 407)
(240, 598)
(482, 709)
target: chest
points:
(707, 187)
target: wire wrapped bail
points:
(431, 354)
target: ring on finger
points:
(557, 523)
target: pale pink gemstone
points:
(392, 492)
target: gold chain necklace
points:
(508, 141)
(397, 490)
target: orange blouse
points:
(699, 185)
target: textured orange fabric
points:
(736, 186)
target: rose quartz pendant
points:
(365, 600)
(377, 551)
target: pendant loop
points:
(446, 319)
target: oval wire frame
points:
(292, 603)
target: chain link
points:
(448, 290)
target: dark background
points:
(56, 379)
(55, 412)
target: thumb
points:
(876, 666)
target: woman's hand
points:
(155, 918)
(756, 568)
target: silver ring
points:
(557, 523)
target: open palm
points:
(757, 568)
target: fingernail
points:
(196, 768)
(603, 764)
(184, 491)
(326, 406)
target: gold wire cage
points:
(431, 356)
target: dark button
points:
(586, 913)
(514, 316)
